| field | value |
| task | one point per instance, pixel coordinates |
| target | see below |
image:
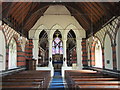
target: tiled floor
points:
(57, 82)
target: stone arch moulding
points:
(80, 33)
(15, 37)
(53, 29)
(4, 36)
(36, 40)
(39, 30)
(99, 41)
(107, 33)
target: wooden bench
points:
(27, 80)
(87, 79)
(22, 87)
(22, 80)
(97, 87)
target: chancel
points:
(60, 45)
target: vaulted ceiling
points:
(91, 15)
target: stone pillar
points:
(64, 54)
(103, 58)
(50, 48)
(114, 57)
(79, 54)
(30, 49)
(50, 53)
(35, 50)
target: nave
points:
(78, 39)
(73, 80)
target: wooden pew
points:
(27, 80)
(22, 80)
(97, 87)
(88, 79)
(22, 87)
(94, 79)
(98, 83)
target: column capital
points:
(35, 39)
(64, 39)
(78, 38)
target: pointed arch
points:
(79, 32)
(54, 28)
(12, 63)
(108, 52)
(73, 28)
(2, 51)
(96, 53)
(107, 33)
(39, 30)
(57, 46)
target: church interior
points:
(60, 45)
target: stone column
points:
(50, 48)
(103, 58)
(114, 57)
(79, 54)
(64, 54)
(50, 53)
(35, 50)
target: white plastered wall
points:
(2, 51)
(118, 49)
(98, 55)
(108, 53)
(12, 62)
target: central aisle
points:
(57, 82)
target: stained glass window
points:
(53, 44)
(57, 49)
(57, 46)
(61, 50)
(61, 44)
(53, 50)
(57, 40)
